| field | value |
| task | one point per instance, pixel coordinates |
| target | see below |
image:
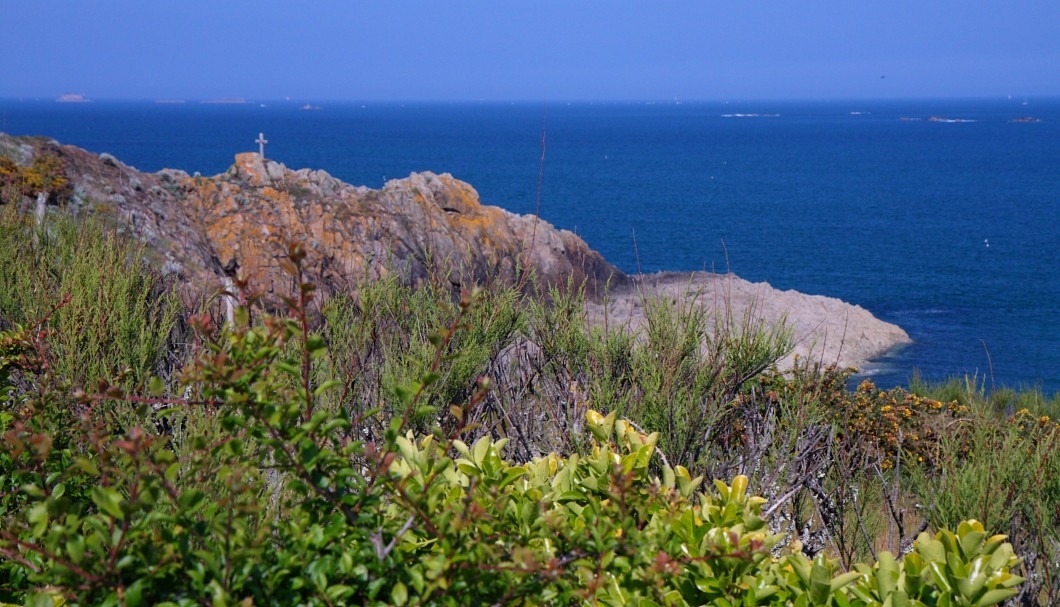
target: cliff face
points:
(239, 223)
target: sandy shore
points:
(825, 328)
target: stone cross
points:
(261, 141)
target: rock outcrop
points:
(825, 329)
(240, 222)
(209, 230)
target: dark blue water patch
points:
(945, 228)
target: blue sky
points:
(529, 50)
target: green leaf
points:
(399, 594)
(40, 599)
(315, 343)
(843, 579)
(480, 450)
(995, 596)
(887, 575)
(86, 465)
(288, 368)
(406, 392)
(338, 592)
(235, 446)
(328, 385)
(899, 599)
(134, 594)
(820, 584)
(438, 337)
(932, 550)
(669, 478)
(512, 474)
(938, 572)
(38, 518)
(972, 542)
(156, 386)
(191, 500)
(109, 501)
(75, 548)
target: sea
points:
(939, 215)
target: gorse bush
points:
(44, 176)
(971, 392)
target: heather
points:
(430, 444)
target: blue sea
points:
(949, 228)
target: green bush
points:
(109, 313)
(268, 497)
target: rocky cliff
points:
(209, 229)
(239, 223)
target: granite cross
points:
(261, 141)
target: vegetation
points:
(45, 176)
(407, 447)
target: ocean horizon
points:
(939, 215)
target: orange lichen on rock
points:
(240, 221)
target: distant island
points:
(961, 120)
(73, 98)
(226, 100)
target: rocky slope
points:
(209, 229)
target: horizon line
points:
(238, 100)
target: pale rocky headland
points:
(825, 330)
(209, 230)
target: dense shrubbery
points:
(121, 519)
(371, 462)
(109, 314)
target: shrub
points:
(277, 500)
(118, 316)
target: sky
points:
(551, 50)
